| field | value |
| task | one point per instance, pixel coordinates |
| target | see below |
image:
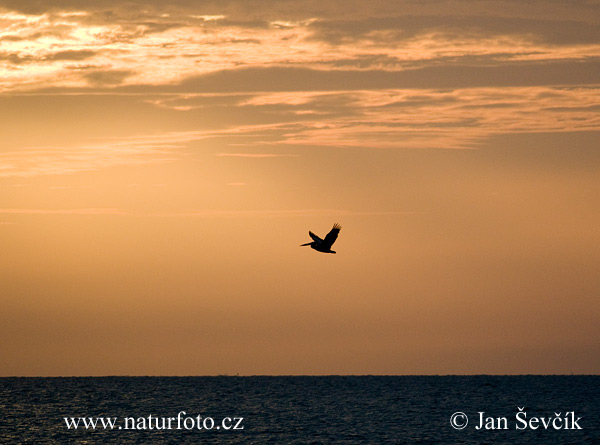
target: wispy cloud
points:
(85, 211)
(67, 160)
(257, 155)
(204, 213)
(371, 77)
(85, 48)
(286, 213)
(385, 118)
(423, 118)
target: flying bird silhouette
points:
(324, 245)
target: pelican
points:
(324, 245)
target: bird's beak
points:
(307, 244)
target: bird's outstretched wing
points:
(332, 235)
(315, 237)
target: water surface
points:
(328, 409)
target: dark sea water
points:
(287, 410)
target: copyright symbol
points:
(459, 420)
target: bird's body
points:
(324, 245)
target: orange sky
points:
(161, 164)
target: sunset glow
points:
(160, 163)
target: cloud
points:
(432, 74)
(386, 118)
(364, 118)
(107, 77)
(404, 28)
(62, 160)
(410, 118)
(304, 9)
(72, 55)
(162, 46)
(444, 76)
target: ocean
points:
(301, 410)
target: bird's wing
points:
(315, 237)
(332, 235)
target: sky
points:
(161, 163)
